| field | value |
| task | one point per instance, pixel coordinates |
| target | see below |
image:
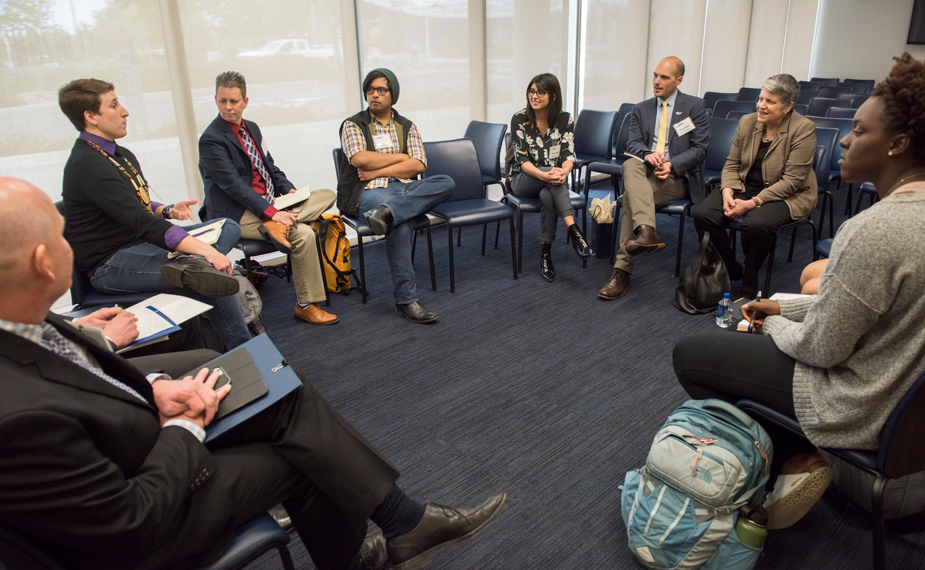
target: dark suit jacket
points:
(687, 152)
(787, 167)
(227, 172)
(87, 471)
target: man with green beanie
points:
(385, 154)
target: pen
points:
(202, 233)
(751, 324)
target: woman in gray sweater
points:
(841, 360)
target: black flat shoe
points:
(416, 313)
(379, 220)
(546, 269)
(578, 242)
(198, 274)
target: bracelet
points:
(166, 211)
(757, 203)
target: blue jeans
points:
(137, 269)
(405, 200)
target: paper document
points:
(177, 308)
(633, 156)
(151, 324)
(289, 200)
(161, 315)
(207, 234)
(743, 324)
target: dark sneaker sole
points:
(425, 558)
(378, 226)
(280, 246)
(206, 281)
(638, 249)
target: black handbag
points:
(703, 282)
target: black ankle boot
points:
(546, 269)
(578, 242)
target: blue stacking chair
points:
(800, 108)
(680, 208)
(248, 542)
(856, 99)
(867, 189)
(807, 95)
(748, 94)
(724, 107)
(823, 248)
(736, 115)
(840, 113)
(721, 133)
(833, 92)
(826, 81)
(898, 453)
(612, 166)
(488, 139)
(467, 206)
(593, 140)
(362, 229)
(819, 105)
(860, 85)
(823, 127)
(810, 85)
(711, 97)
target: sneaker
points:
(795, 494)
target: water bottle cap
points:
(725, 295)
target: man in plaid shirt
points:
(385, 155)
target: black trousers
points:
(757, 239)
(732, 366)
(302, 453)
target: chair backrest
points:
(594, 132)
(735, 115)
(801, 108)
(856, 98)
(487, 138)
(833, 92)
(723, 107)
(80, 283)
(340, 161)
(829, 81)
(826, 138)
(810, 85)
(458, 160)
(840, 113)
(806, 96)
(721, 133)
(623, 137)
(842, 128)
(819, 105)
(899, 451)
(748, 94)
(859, 85)
(624, 110)
(711, 97)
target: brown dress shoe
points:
(648, 241)
(373, 555)
(314, 315)
(617, 286)
(278, 235)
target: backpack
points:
(680, 509)
(336, 252)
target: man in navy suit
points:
(669, 135)
(242, 181)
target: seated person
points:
(241, 182)
(840, 361)
(669, 134)
(104, 469)
(120, 237)
(544, 154)
(384, 153)
(768, 180)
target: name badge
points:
(684, 127)
(382, 142)
(554, 152)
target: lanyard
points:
(141, 187)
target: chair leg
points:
(430, 258)
(877, 523)
(364, 293)
(324, 277)
(513, 249)
(459, 236)
(497, 233)
(584, 226)
(615, 233)
(767, 276)
(520, 241)
(825, 200)
(677, 263)
(793, 239)
(849, 200)
(285, 557)
(452, 269)
(484, 234)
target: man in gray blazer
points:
(669, 135)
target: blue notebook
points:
(279, 377)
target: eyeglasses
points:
(535, 93)
(380, 90)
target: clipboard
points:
(276, 374)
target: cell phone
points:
(223, 378)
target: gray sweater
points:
(860, 344)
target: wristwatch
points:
(757, 203)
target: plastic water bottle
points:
(724, 312)
(752, 526)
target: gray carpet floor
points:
(541, 390)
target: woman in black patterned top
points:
(544, 152)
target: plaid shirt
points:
(353, 141)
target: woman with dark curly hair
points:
(839, 361)
(543, 141)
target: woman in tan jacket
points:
(768, 180)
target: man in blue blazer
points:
(242, 181)
(669, 136)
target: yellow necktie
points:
(662, 129)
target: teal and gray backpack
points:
(680, 509)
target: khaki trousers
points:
(306, 267)
(643, 192)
